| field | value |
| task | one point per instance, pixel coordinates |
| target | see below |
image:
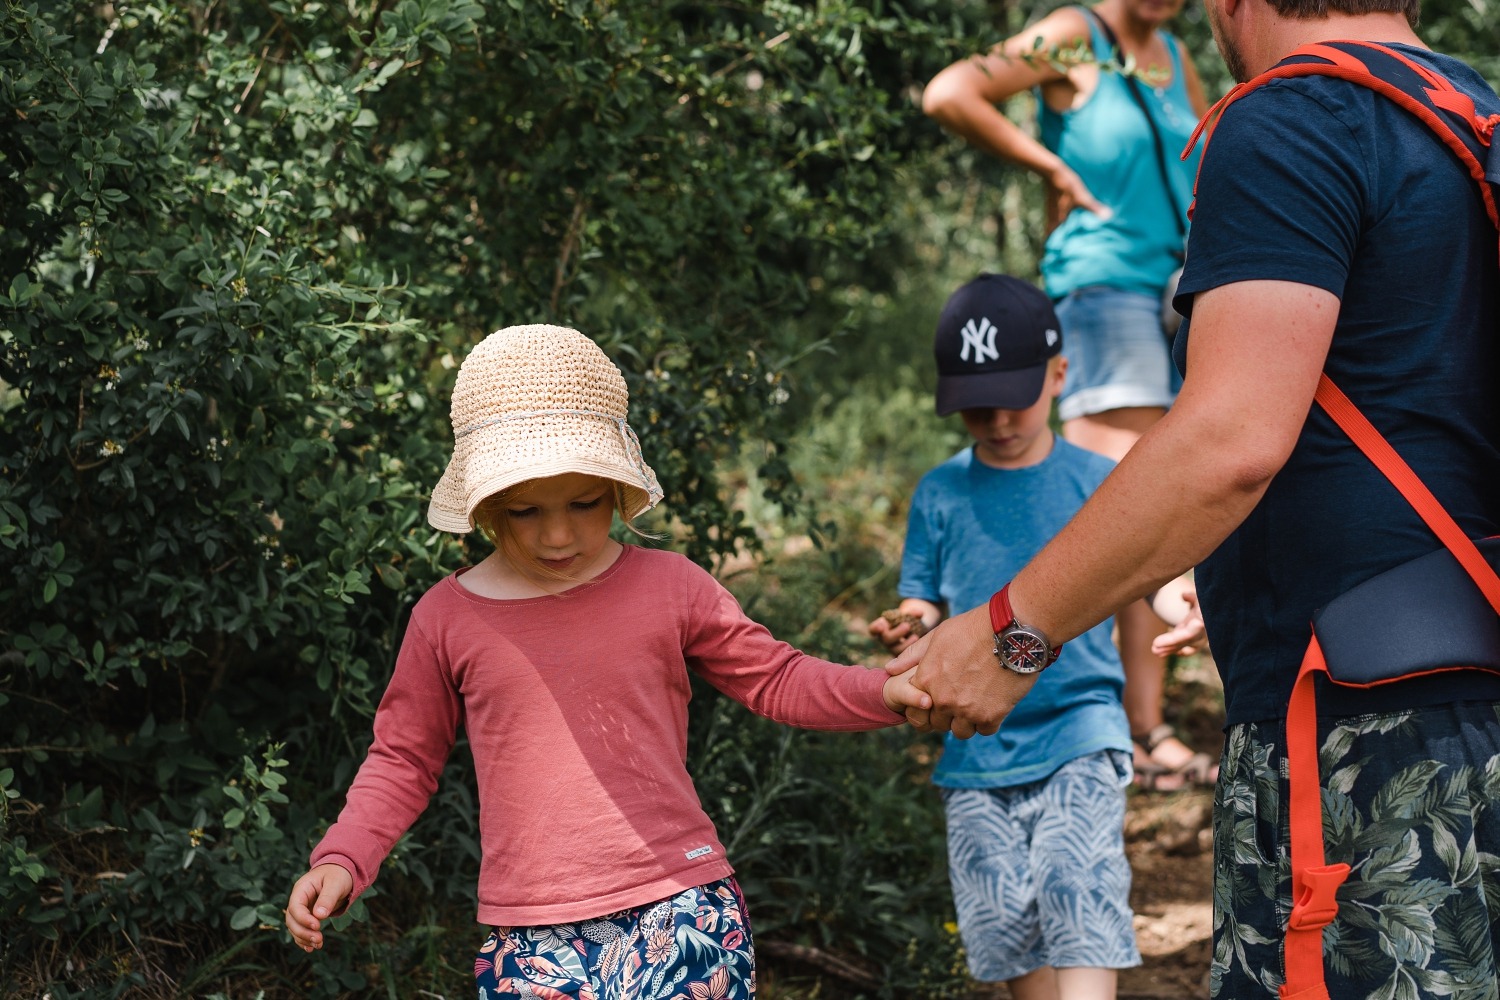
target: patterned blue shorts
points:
(695, 945)
(1039, 872)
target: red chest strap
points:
(1344, 65)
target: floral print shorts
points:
(694, 946)
(1411, 801)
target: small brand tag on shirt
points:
(698, 852)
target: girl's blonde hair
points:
(489, 518)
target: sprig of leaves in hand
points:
(1081, 52)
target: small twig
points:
(836, 604)
(45, 747)
(819, 959)
(253, 77)
(86, 466)
(570, 243)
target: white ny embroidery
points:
(981, 338)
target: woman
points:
(1116, 238)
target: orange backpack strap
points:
(1427, 95)
(1379, 451)
(1314, 881)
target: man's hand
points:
(971, 692)
(317, 895)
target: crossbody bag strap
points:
(1134, 87)
(1379, 451)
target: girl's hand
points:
(317, 895)
(901, 694)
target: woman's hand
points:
(1072, 193)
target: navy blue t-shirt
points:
(1326, 183)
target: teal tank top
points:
(1107, 142)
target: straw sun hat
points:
(532, 402)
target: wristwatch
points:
(1019, 648)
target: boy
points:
(1035, 813)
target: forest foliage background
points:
(243, 248)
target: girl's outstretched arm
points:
(317, 896)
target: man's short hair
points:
(1305, 10)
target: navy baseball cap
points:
(994, 338)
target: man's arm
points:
(1255, 353)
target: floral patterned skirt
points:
(694, 946)
(1411, 801)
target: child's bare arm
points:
(906, 623)
(317, 895)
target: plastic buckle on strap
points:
(1315, 906)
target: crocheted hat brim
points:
(532, 402)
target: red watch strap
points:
(1000, 613)
(1002, 617)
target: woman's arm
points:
(1192, 81)
(963, 99)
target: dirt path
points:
(1171, 861)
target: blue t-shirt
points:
(1326, 183)
(972, 528)
(1108, 143)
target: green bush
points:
(242, 248)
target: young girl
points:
(565, 656)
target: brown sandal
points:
(1198, 770)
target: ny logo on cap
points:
(981, 338)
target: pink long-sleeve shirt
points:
(576, 710)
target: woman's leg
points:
(1113, 432)
(1120, 382)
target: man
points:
(1332, 231)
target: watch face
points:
(1022, 650)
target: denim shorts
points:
(1117, 354)
(1039, 871)
(1411, 801)
(696, 944)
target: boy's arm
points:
(896, 636)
